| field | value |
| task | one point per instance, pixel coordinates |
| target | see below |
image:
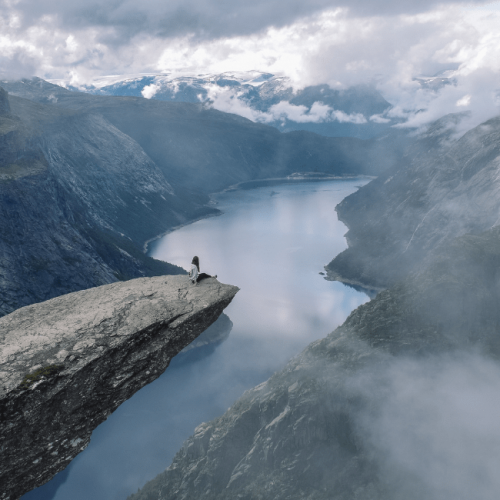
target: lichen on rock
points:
(39, 375)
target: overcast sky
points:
(341, 43)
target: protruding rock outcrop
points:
(68, 363)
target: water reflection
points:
(273, 248)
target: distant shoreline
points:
(291, 179)
(254, 184)
(172, 229)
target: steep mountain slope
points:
(399, 401)
(441, 191)
(65, 199)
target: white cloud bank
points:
(229, 101)
(319, 112)
(150, 90)
(381, 43)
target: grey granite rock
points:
(215, 334)
(68, 363)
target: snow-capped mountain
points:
(357, 111)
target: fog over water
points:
(272, 242)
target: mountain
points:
(398, 401)
(264, 97)
(444, 189)
(70, 217)
(199, 147)
(86, 180)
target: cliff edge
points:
(66, 364)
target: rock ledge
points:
(66, 364)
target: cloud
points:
(16, 64)
(432, 423)
(319, 112)
(464, 101)
(231, 101)
(342, 117)
(18, 58)
(150, 90)
(202, 19)
(475, 92)
(391, 51)
(379, 119)
(384, 43)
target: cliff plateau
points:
(67, 363)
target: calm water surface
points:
(272, 242)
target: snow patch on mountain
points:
(261, 97)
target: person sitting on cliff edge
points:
(194, 272)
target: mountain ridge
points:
(256, 94)
(453, 192)
(67, 160)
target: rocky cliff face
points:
(442, 190)
(67, 363)
(78, 198)
(382, 408)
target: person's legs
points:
(202, 276)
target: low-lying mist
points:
(431, 425)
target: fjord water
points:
(272, 242)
